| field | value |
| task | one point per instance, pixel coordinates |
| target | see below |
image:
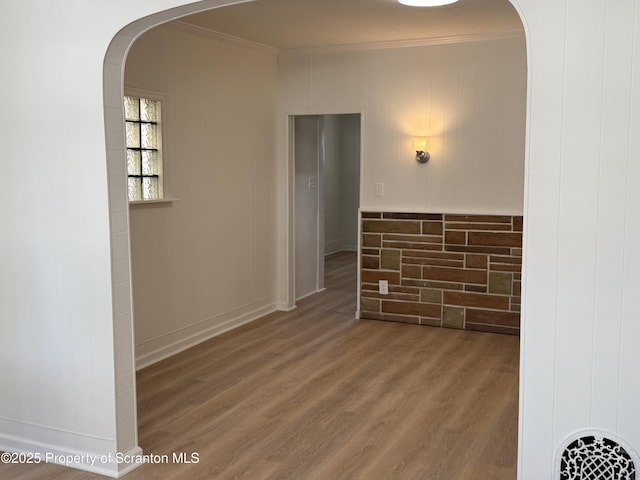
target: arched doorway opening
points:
(114, 64)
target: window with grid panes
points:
(144, 148)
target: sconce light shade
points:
(420, 145)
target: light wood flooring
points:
(315, 394)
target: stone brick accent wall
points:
(456, 271)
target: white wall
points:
(582, 227)
(65, 342)
(307, 205)
(205, 263)
(330, 166)
(341, 180)
(349, 180)
(468, 97)
(58, 297)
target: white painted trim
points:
(285, 307)
(98, 463)
(444, 211)
(306, 295)
(420, 42)
(159, 348)
(223, 37)
(137, 203)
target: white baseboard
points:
(343, 248)
(285, 307)
(309, 294)
(99, 463)
(168, 345)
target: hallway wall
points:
(203, 264)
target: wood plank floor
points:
(315, 394)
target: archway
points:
(114, 64)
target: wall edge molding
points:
(103, 464)
(419, 42)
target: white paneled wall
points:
(340, 174)
(468, 97)
(581, 328)
(205, 263)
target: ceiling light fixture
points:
(426, 3)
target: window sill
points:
(160, 201)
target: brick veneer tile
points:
(433, 261)
(391, 226)
(432, 228)
(413, 246)
(443, 285)
(517, 224)
(478, 226)
(370, 305)
(371, 240)
(413, 216)
(475, 288)
(370, 262)
(517, 288)
(411, 238)
(500, 283)
(466, 249)
(455, 238)
(489, 317)
(505, 259)
(374, 276)
(411, 308)
(476, 261)
(453, 317)
(431, 322)
(411, 271)
(405, 297)
(430, 295)
(438, 255)
(479, 327)
(390, 259)
(464, 299)
(501, 267)
(478, 218)
(454, 275)
(495, 239)
(459, 271)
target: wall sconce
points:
(420, 145)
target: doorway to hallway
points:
(326, 194)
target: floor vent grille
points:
(595, 456)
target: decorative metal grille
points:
(596, 457)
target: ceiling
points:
(289, 24)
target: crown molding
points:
(419, 42)
(223, 37)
